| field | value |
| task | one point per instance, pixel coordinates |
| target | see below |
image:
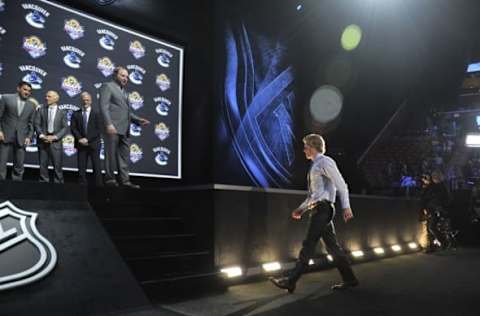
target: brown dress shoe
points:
(283, 283)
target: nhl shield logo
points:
(26, 256)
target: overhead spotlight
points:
(413, 245)
(379, 251)
(232, 272)
(271, 266)
(357, 253)
(299, 7)
(311, 262)
(330, 258)
(396, 248)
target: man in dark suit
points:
(117, 115)
(86, 128)
(51, 126)
(16, 128)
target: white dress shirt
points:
(324, 181)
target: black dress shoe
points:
(345, 285)
(111, 183)
(131, 185)
(283, 283)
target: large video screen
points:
(56, 48)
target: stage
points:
(445, 283)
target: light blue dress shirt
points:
(324, 182)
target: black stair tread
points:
(140, 237)
(168, 255)
(181, 277)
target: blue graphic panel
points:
(258, 107)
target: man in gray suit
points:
(16, 128)
(117, 115)
(51, 126)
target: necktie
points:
(50, 120)
(85, 122)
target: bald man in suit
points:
(16, 128)
(117, 115)
(51, 126)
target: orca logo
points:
(73, 57)
(135, 130)
(136, 74)
(25, 254)
(163, 105)
(34, 75)
(161, 155)
(108, 39)
(164, 57)
(37, 15)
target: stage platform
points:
(445, 283)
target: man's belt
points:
(320, 203)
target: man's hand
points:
(51, 138)
(27, 141)
(2, 137)
(347, 214)
(83, 141)
(144, 121)
(297, 214)
(111, 129)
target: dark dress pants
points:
(91, 151)
(321, 226)
(117, 156)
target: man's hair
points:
(85, 93)
(24, 83)
(315, 141)
(117, 69)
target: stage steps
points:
(165, 237)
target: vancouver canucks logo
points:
(106, 66)
(107, 39)
(26, 255)
(74, 29)
(136, 153)
(135, 130)
(68, 143)
(36, 16)
(102, 149)
(73, 56)
(137, 49)
(162, 131)
(163, 105)
(161, 155)
(163, 82)
(34, 46)
(33, 75)
(136, 74)
(69, 108)
(135, 100)
(164, 57)
(71, 86)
